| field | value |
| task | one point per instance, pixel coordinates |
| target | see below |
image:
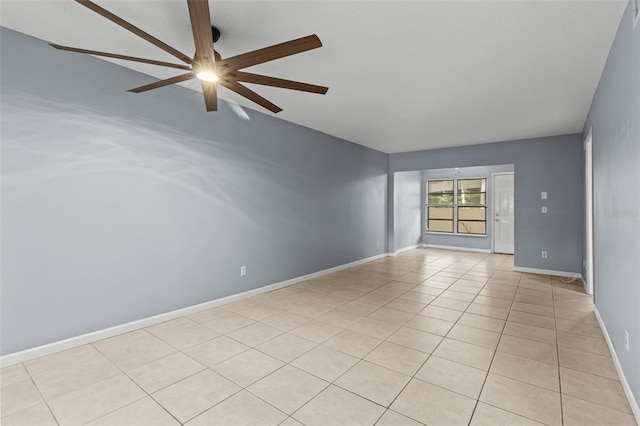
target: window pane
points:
(472, 198)
(440, 192)
(472, 185)
(440, 225)
(469, 227)
(440, 213)
(472, 213)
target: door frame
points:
(493, 209)
(589, 227)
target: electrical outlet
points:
(243, 271)
(626, 339)
(543, 195)
(544, 209)
(544, 254)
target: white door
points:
(588, 168)
(503, 211)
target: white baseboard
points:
(476, 250)
(72, 342)
(633, 403)
(402, 250)
(548, 272)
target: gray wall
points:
(553, 164)
(483, 242)
(407, 206)
(117, 207)
(615, 118)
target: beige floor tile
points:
(286, 347)
(533, 309)
(359, 308)
(288, 388)
(391, 316)
(240, 305)
(373, 382)
(433, 405)
(215, 351)
(588, 363)
(144, 412)
(37, 415)
(164, 372)
(489, 311)
(94, 401)
(580, 343)
(465, 333)
(412, 278)
(530, 332)
(335, 406)
(12, 374)
(260, 312)
(391, 418)
(285, 321)
(183, 333)
(465, 288)
(331, 301)
(131, 350)
(375, 299)
(311, 310)
(482, 322)
(579, 327)
(248, 367)
(19, 395)
(398, 358)
(66, 371)
(529, 349)
(455, 377)
(242, 409)
(339, 318)
(226, 323)
(441, 313)
(597, 389)
(576, 315)
(406, 305)
(430, 325)
(498, 292)
(526, 370)
(465, 353)
(415, 339)
(428, 293)
(375, 328)
(533, 300)
(532, 319)
(353, 343)
(456, 295)
(457, 305)
(492, 301)
(326, 363)
(316, 331)
(487, 415)
(291, 422)
(521, 398)
(577, 412)
(196, 394)
(207, 314)
(255, 334)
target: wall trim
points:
(635, 408)
(402, 250)
(72, 342)
(476, 250)
(549, 272)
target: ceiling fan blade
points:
(162, 83)
(250, 94)
(272, 52)
(137, 31)
(202, 35)
(264, 80)
(116, 56)
(210, 92)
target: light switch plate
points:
(543, 195)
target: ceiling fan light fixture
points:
(207, 76)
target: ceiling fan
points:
(207, 64)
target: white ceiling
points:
(402, 75)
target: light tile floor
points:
(429, 337)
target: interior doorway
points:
(503, 213)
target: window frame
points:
(455, 206)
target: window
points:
(457, 206)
